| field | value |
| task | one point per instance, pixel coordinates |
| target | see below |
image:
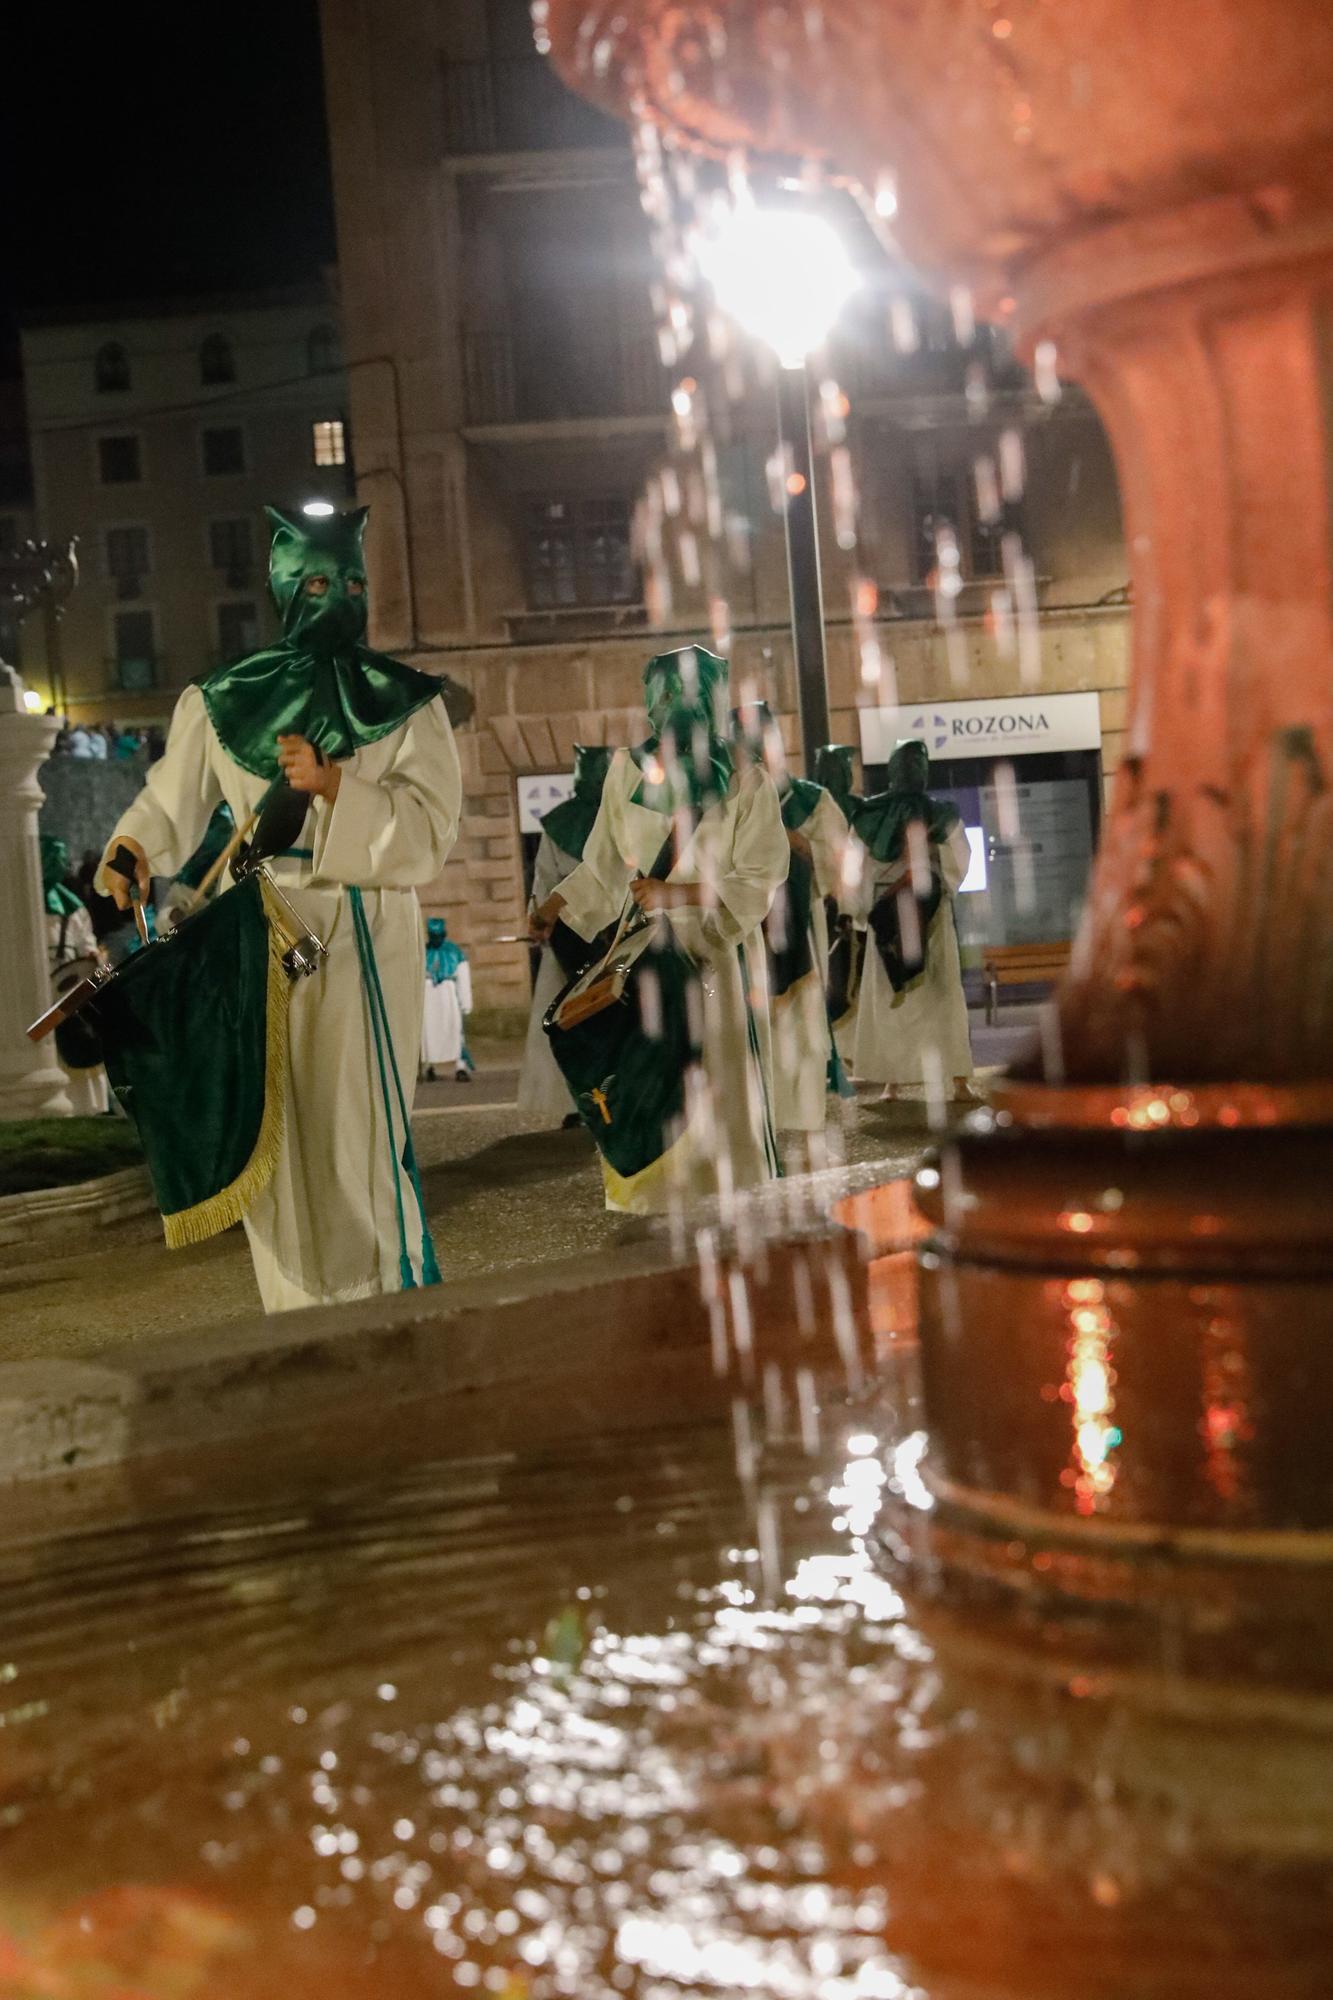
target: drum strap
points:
(379, 1022)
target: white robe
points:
(542, 1092)
(739, 853)
(326, 1226)
(919, 1035)
(802, 1038)
(67, 937)
(442, 1016)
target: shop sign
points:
(1013, 726)
(538, 796)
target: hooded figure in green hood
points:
(911, 1023)
(321, 681)
(323, 1172)
(675, 1085)
(805, 1062)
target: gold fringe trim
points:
(229, 1204)
(643, 1193)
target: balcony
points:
(517, 105)
(516, 378)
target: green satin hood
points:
(690, 677)
(321, 680)
(686, 766)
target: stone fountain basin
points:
(502, 1362)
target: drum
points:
(624, 1036)
(194, 1037)
(79, 1038)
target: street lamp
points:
(784, 275)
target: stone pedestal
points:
(32, 1083)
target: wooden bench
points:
(1021, 965)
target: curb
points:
(503, 1362)
(45, 1212)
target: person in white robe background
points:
(804, 1062)
(448, 1002)
(730, 858)
(916, 857)
(368, 740)
(71, 942)
(543, 1094)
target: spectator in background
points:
(73, 952)
(448, 1001)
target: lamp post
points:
(784, 275)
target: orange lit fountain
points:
(1127, 1324)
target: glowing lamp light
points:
(319, 510)
(32, 701)
(781, 273)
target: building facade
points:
(510, 407)
(157, 437)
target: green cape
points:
(881, 822)
(570, 823)
(321, 680)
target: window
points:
(238, 629)
(217, 361)
(578, 552)
(323, 351)
(224, 451)
(136, 649)
(111, 369)
(936, 517)
(950, 530)
(127, 557)
(329, 440)
(118, 461)
(231, 546)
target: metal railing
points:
(516, 105)
(521, 378)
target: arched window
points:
(112, 368)
(217, 360)
(323, 351)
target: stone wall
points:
(84, 798)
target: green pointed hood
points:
(321, 680)
(570, 823)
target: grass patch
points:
(60, 1152)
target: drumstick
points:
(228, 851)
(198, 895)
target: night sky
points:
(155, 153)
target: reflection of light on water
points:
(1090, 1389)
(907, 1480)
(1225, 1423)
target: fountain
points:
(670, 1639)
(1127, 1301)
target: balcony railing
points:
(517, 105)
(519, 378)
